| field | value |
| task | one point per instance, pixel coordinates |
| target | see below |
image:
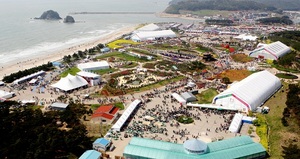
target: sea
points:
(22, 36)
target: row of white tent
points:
(124, 117)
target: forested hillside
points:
(231, 5)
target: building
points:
(105, 49)
(101, 144)
(6, 95)
(90, 66)
(179, 98)
(58, 106)
(29, 77)
(188, 97)
(249, 93)
(237, 147)
(246, 37)
(149, 27)
(105, 113)
(127, 113)
(91, 154)
(271, 51)
(92, 78)
(152, 35)
(70, 83)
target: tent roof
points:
(70, 82)
(88, 65)
(87, 74)
(28, 77)
(253, 90)
(195, 145)
(277, 49)
(101, 141)
(118, 125)
(236, 123)
(246, 37)
(59, 105)
(178, 98)
(149, 27)
(236, 147)
(187, 95)
(90, 154)
(154, 34)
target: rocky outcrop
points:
(69, 19)
(50, 15)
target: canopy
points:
(70, 83)
(119, 124)
(29, 77)
(236, 123)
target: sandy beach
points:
(39, 60)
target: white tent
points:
(6, 95)
(1, 83)
(29, 77)
(271, 51)
(249, 93)
(149, 27)
(93, 66)
(179, 98)
(70, 82)
(236, 123)
(93, 78)
(245, 37)
(151, 35)
(121, 121)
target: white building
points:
(93, 66)
(92, 78)
(245, 37)
(271, 51)
(149, 27)
(6, 95)
(70, 83)
(249, 93)
(152, 35)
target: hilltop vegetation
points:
(232, 5)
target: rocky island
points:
(49, 15)
(69, 19)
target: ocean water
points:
(21, 36)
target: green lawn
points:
(206, 96)
(118, 43)
(95, 106)
(122, 56)
(278, 133)
(286, 76)
(71, 71)
(105, 71)
(262, 130)
(120, 105)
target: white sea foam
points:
(50, 47)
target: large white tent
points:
(245, 37)
(152, 35)
(121, 121)
(93, 66)
(149, 27)
(271, 51)
(249, 93)
(70, 82)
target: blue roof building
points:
(237, 147)
(101, 144)
(90, 154)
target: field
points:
(118, 43)
(122, 56)
(206, 96)
(234, 75)
(279, 134)
(105, 71)
(242, 58)
(73, 71)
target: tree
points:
(291, 151)
(226, 80)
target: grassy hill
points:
(231, 5)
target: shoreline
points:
(27, 63)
